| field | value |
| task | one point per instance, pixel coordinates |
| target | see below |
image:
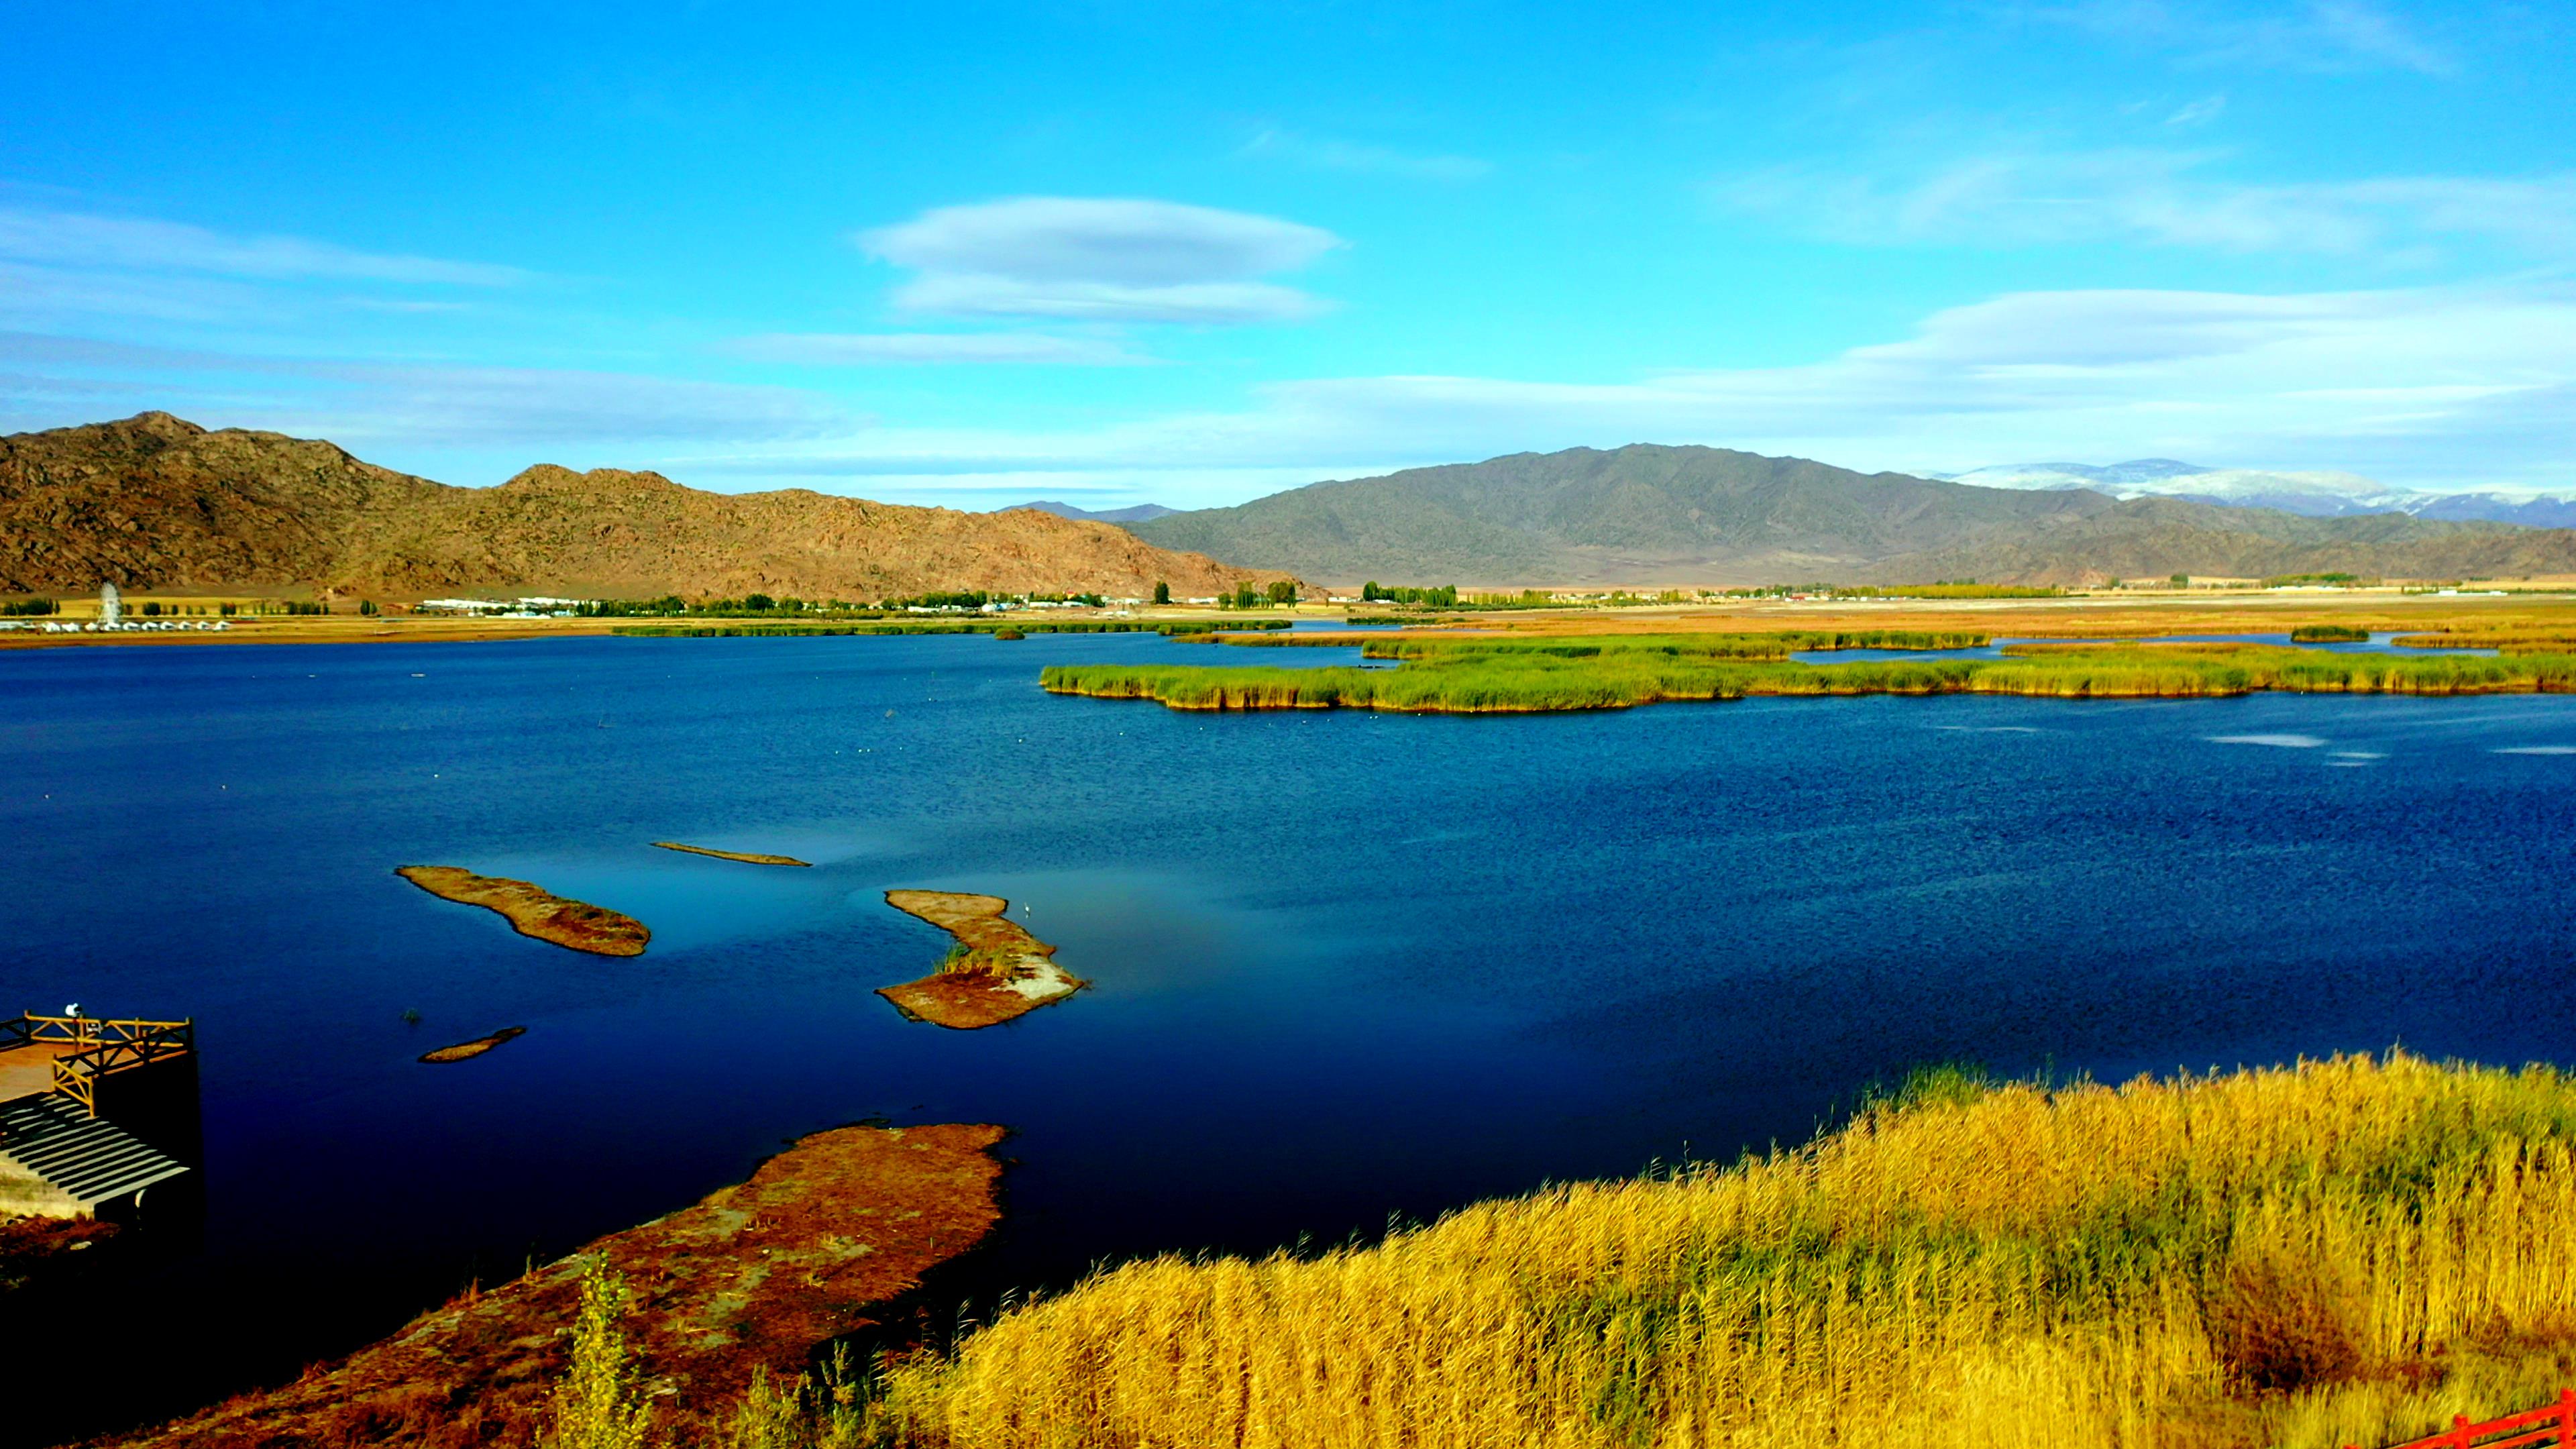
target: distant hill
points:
(1636, 514)
(1135, 514)
(157, 502)
(1687, 515)
(2317, 494)
(2151, 537)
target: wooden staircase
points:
(72, 1163)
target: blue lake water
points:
(1345, 966)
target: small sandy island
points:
(744, 857)
(995, 972)
(816, 1245)
(468, 1050)
(534, 911)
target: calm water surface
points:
(1345, 966)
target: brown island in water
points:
(754, 1277)
(995, 972)
(467, 1050)
(534, 911)
(744, 857)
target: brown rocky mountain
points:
(157, 502)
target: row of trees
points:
(1443, 597)
(1245, 596)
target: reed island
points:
(996, 970)
(1540, 673)
(532, 910)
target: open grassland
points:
(1467, 674)
(2344, 1252)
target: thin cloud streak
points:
(1324, 153)
(98, 243)
(2326, 36)
(2158, 196)
(895, 349)
(1096, 259)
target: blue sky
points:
(1190, 253)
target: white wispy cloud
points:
(2460, 388)
(867, 349)
(2197, 113)
(2156, 195)
(142, 244)
(1099, 259)
(1325, 153)
(2447, 387)
(361, 403)
(2318, 35)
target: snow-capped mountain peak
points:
(2321, 494)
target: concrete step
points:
(89, 1160)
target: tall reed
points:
(2344, 1251)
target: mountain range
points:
(154, 501)
(2317, 494)
(1648, 514)
(1136, 513)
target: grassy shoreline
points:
(1480, 676)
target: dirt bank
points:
(753, 1276)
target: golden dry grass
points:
(2344, 1252)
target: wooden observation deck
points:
(58, 1156)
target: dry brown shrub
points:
(2286, 1323)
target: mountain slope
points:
(2152, 537)
(1634, 514)
(153, 501)
(1659, 515)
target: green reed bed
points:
(1506, 676)
(2329, 634)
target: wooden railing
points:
(104, 1045)
(2548, 1424)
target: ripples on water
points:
(1345, 965)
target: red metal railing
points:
(2548, 1424)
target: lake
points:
(1346, 968)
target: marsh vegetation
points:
(2345, 1251)
(1539, 673)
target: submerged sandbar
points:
(745, 857)
(532, 910)
(996, 971)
